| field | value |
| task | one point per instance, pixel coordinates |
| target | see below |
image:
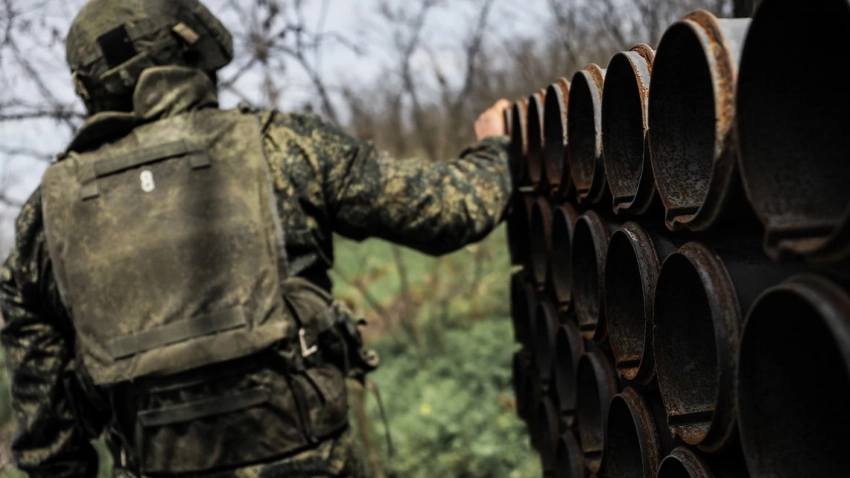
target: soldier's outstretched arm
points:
(36, 342)
(432, 206)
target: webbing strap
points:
(111, 165)
(204, 408)
(132, 344)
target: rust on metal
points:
(589, 250)
(792, 126)
(634, 260)
(691, 111)
(570, 462)
(536, 111)
(695, 358)
(596, 385)
(624, 130)
(569, 347)
(794, 380)
(564, 218)
(584, 134)
(555, 136)
(632, 444)
(540, 241)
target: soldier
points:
(169, 280)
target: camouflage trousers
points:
(333, 458)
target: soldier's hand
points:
(491, 122)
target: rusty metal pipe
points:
(691, 116)
(518, 147)
(545, 328)
(564, 218)
(555, 137)
(699, 298)
(794, 380)
(589, 248)
(547, 425)
(632, 265)
(632, 443)
(596, 385)
(684, 462)
(584, 134)
(624, 129)
(569, 347)
(793, 144)
(536, 111)
(518, 227)
(540, 241)
(569, 457)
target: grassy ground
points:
(442, 328)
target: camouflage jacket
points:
(325, 182)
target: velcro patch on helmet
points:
(186, 33)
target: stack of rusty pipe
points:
(680, 236)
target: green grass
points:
(446, 343)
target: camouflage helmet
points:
(111, 42)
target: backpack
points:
(167, 250)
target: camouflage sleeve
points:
(435, 207)
(36, 345)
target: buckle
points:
(306, 351)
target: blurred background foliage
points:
(412, 76)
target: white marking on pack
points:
(147, 181)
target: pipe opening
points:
(519, 307)
(518, 379)
(684, 463)
(672, 468)
(570, 460)
(544, 339)
(589, 248)
(582, 132)
(561, 265)
(568, 350)
(547, 424)
(519, 144)
(682, 120)
(623, 454)
(626, 307)
(793, 125)
(793, 385)
(540, 240)
(685, 349)
(535, 139)
(623, 122)
(595, 388)
(555, 131)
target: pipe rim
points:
(700, 212)
(569, 449)
(725, 314)
(555, 131)
(588, 296)
(693, 464)
(569, 348)
(830, 306)
(604, 389)
(563, 225)
(632, 70)
(534, 125)
(519, 142)
(647, 264)
(644, 427)
(588, 179)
